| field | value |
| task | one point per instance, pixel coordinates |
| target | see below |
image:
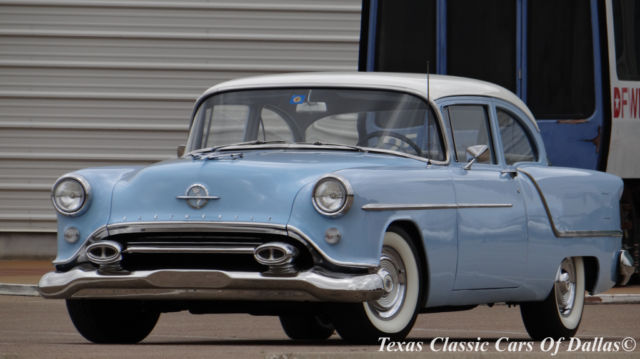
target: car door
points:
(492, 235)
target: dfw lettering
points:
(626, 102)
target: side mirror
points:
(476, 152)
(180, 150)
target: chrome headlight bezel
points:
(346, 195)
(84, 194)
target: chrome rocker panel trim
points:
(211, 285)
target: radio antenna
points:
(428, 119)
(427, 80)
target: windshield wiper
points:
(201, 152)
(336, 145)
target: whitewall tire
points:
(394, 314)
(559, 315)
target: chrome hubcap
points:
(565, 287)
(395, 285)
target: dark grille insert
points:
(220, 261)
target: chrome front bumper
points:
(174, 284)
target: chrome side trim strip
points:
(212, 284)
(190, 250)
(566, 234)
(410, 207)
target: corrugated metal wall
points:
(92, 83)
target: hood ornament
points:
(197, 196)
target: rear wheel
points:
(307, 326)
(112, 321)
(394, 314)
(559, 315)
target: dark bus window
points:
(560, 59)
(481, 40)
(406, 36)
(626, 22)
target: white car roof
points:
(440, 86)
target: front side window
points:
(470, 127)
(516, 141)
(372, 119)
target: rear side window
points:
(516, 141)
(470, 127)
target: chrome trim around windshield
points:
(411, 207)
(566, 234)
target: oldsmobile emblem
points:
(197, 196)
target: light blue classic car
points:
(339, 201)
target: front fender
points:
(363, 230)
(101, 181)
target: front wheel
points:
(394, 314)
(112, 321)
(559, 315)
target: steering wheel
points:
(402, 138)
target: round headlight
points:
(69, 195)
(332, 196)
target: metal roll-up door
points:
(98, 82)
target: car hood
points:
(258, 186)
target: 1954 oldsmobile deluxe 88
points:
(350, 201)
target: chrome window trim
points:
(87, 195)
(429, 206)
(566, 234)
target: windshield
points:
(369, 119)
